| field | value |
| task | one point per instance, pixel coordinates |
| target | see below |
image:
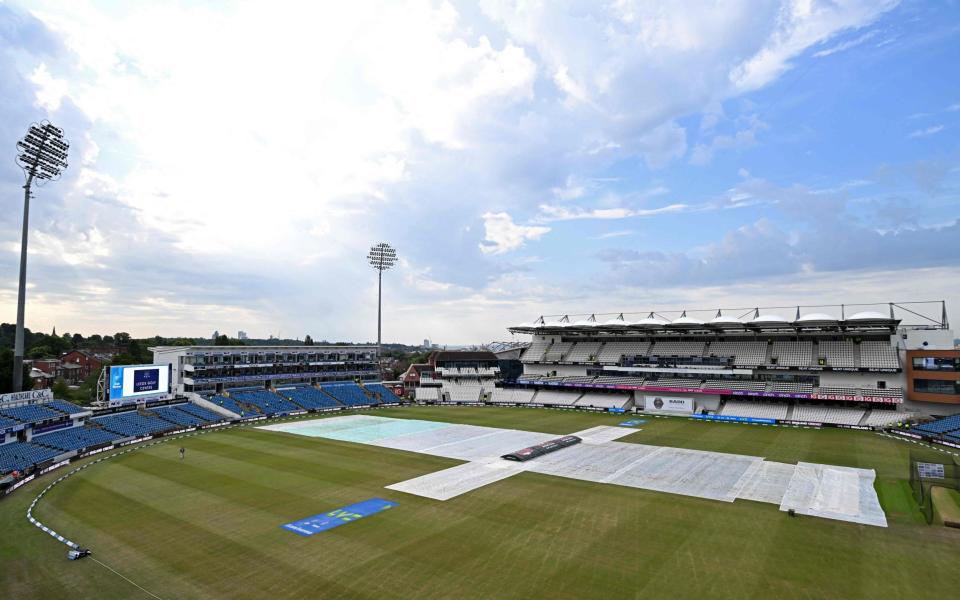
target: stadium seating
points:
(675, 382)
(828, 414)
(308, 397)
(20, 456)
(584, 352)
(757, 410)
(534, 352)
(744, 353)
(735, 384)
(790, 387)
(177, 417)
(266, 401)
(879, 417)
(231, 405)
(7, 422)
(945, 425)
(613, 352)
(423, 394)
(133, 424)
(677, 348)
(201, 412)
(510, 396)
(386, 395)
(891, 392)
(65, 407)
(349, 394)
(837, 353)
(75, 438)
(556, 398)
(556, 352)
(603, 400)
(834, 390)
(614, 380)
(792, 354)
(878, 355)
(463, 393)
(31, 413)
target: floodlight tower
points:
(381, 257)
(42, 154)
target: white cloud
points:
(549, 212)
(799, 25)
(846, 45)
(926, 132)
(501, 234)
(50, 90)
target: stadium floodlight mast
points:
(42, 154)
(381, 257)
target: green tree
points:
(76, 340)
(61, 389)
(40, 352)
(121, 338)
(6, 372)
(308, 341)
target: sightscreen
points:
(137, 383)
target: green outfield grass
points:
(209, 526)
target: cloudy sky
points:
(232, 162)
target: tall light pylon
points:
(42, 154)
(381, 257)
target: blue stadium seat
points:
(386, 396)
(198, 411)
(348, 393)
(309, 398)
(177, 417)
(268, 402)
(20, 456)
(31, 413)
(65, 407)
(75, 438)
(133, 424)
(231, 405)
(944, 425)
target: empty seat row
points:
(76, 438)
(19, 456)
(757, 410)
(31, 413)
(133, 424)
(349, 394)
(603, 400)
(427, 394)
(828, 414)
(510, 396)
(384, 394)
(309, 398)
(556, 398)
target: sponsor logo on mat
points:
(632, 423)
(338, 516)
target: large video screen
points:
(136, 383)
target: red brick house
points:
(77, 365)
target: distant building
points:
(215, 335)
(426, 343)
(77, 365)
(242, 335)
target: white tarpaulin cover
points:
(449, 483)
(841, 493)
(817, 490)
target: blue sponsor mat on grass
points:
(338, 516)
(632, 423)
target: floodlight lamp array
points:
(42, 152)
(382, 256)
